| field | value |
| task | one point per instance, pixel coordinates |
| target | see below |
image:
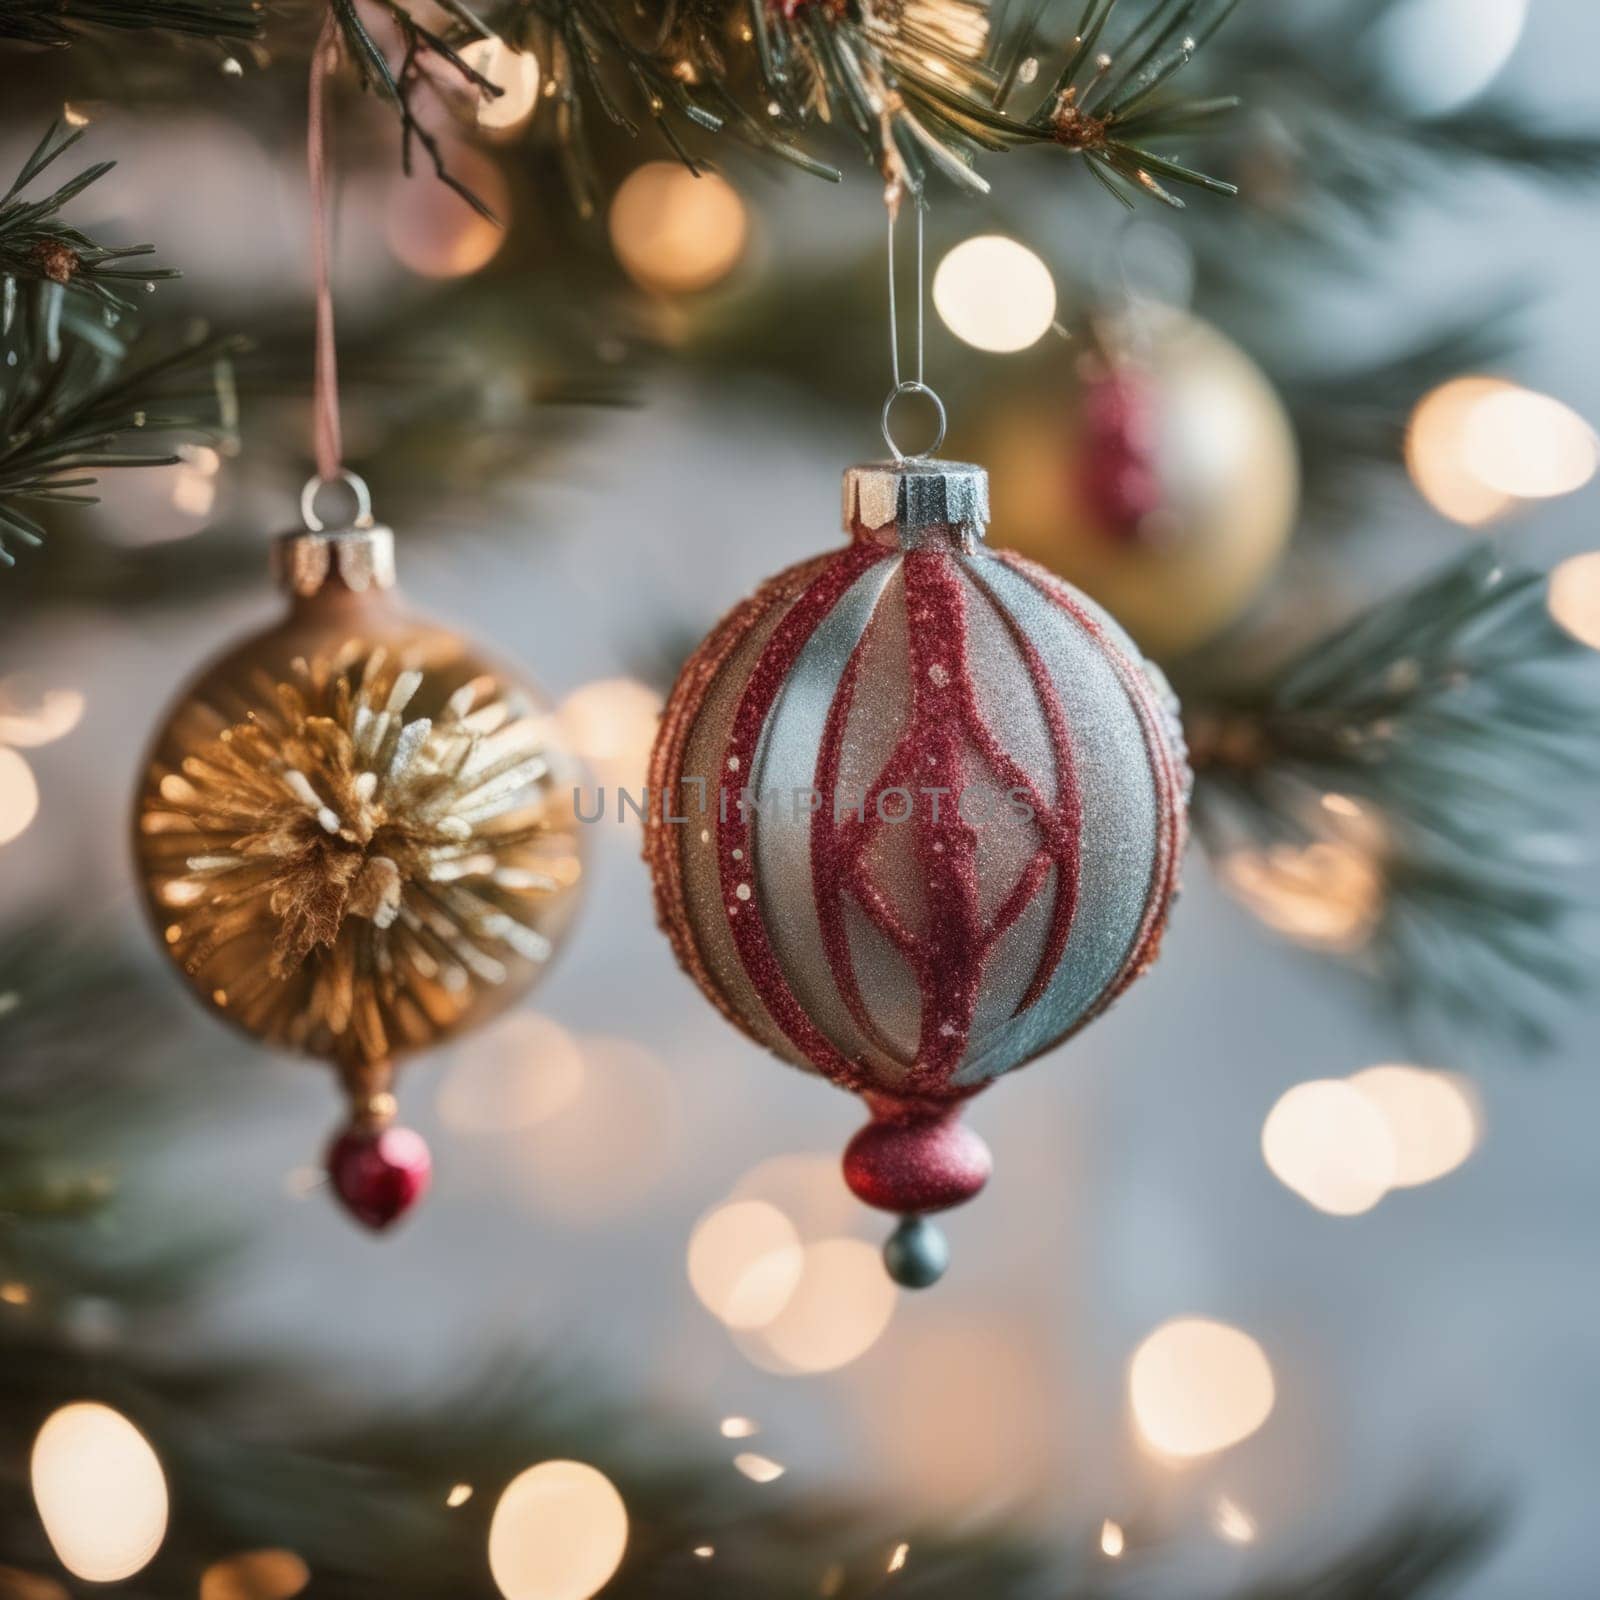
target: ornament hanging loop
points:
(915, 385)
(354, 482)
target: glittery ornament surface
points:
(355, 834)
(919, 814)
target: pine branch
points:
(83, 412)
(68, 270)
(1437, 751)
(58, 23)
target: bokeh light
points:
(101, 1494)
(1477, 446)
(19, 795)
(1332, 1145)
(995, 294)
(433, 231)
(805, 1186)
(675, 233)
(1439, 54)
(1232, 1522)
(1530, 445)
(1432, 1119)
(1112, 1539)
(1328, 895)
(758, 1468)
(1575, 597)
(31, 716)
(1197, 1386)
(836, 1312)
(745, 1260)
(255, 1575)
(612, 725)
(519, 1073)
(558, 1533)
(514, 72)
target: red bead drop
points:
(916, 1162)
(379, 1175)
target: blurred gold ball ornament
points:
(350, 838)
(1155, 467)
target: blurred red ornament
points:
(379, 1174)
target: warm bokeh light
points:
(1477, 445)
(1575, 597)
(558, 1533)
(607, 1149)
(836, 1313)
(101, 1494)
(758, 1469)
(612, 725)
(1432, 1118)
(995, 294)
(1530, 445)
(1112, 1540)
(745, 1260)
(1328, 896)
(805, 1187)
(523, 1071)
(459, 1494)
(255, 1575)
(1332, 1145)
(1233, 1522)
(1436, 452)
(675, 233)
(31, 716)
(19, 795)
(739, 1428)
(433, 231)
(897, 1557)
(1197, 1386)
(514, 72)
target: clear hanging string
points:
(327, 437)
(916, 385)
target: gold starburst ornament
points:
(355, 837)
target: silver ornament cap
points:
(358, 559)
(911, 501)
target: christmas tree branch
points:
(84, 412)
(57, 23)
(1410, 791)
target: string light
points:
(1432, 1119)
(612, 725)
(526, 1070)
(757, 1468)
(459, 1495)
(836, 1312)
(31, 717)
(1575, 597)
(1332, 1145)
(675, 233)
(101, 1494)
(514, 72)
(1197, 1386)
(1328, 895)
(19, 796)
(1233, 1522)
(705, 1551)
(745, 1260)
(1112, 1540)
(897, 1558)
(559, 1532)
(995, 294)
(739, 1428)
(255, 1575)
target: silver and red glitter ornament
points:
(917, 815)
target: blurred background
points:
(1284, 1283)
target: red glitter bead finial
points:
(379, 1174)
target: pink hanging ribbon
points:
(327, 440)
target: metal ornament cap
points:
(907, 503)
(358, 559)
